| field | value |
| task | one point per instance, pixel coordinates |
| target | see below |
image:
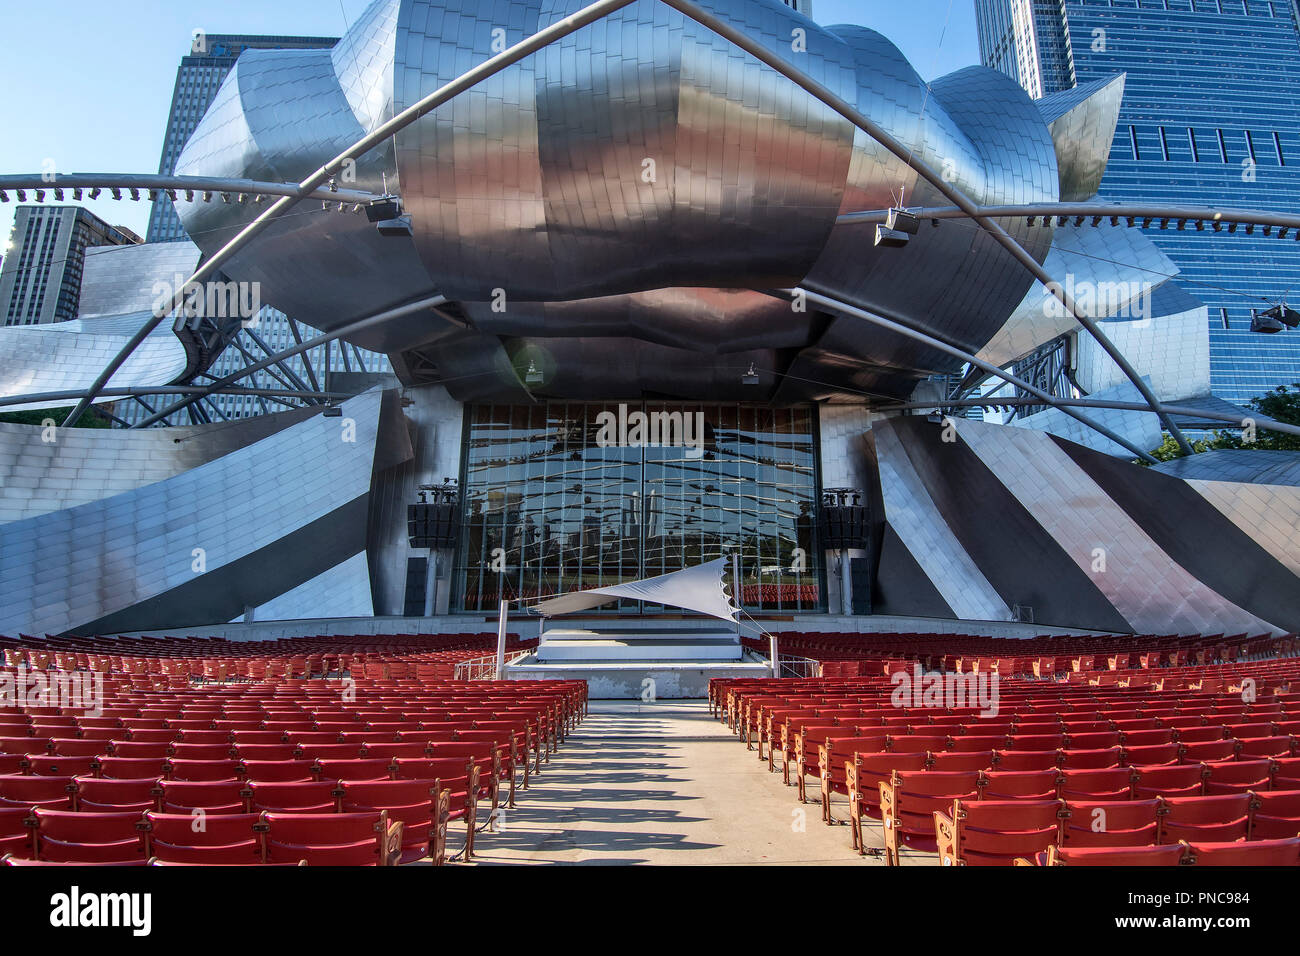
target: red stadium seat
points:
(1001, 785)
(1182, 780)
(1238, 776)
(1214, 819)
(108, 795)
(1027, 760)
(215, 840)
(336, 839)
(1115, 783)
(299, 798)
(1259, 853)
(994, 833)
(277, 771)
(1209, 750)
(15, 834)
(211, 796)
(54, 793)
(1276, 815)
(69, 837)
(202, 770)
(1115, 856)
(412, 802)
(1110, 823)
(908, 802)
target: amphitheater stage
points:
(631, 661)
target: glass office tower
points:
(1211, 116)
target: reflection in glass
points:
(552, 506)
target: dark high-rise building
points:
(1211, 116)
(198, 78)
(40, 281)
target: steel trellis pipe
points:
(467, 80)
(852, 310)
(1208, 214)
(956, 196)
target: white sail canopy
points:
(696, 589)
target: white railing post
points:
(501, 640)
(772, 650)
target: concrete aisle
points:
(662, 783)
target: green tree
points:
(88, 419)
(1282, 404)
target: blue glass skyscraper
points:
(1211, 116)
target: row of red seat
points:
(330, 771)
(1168, 754)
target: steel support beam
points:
(1266, 424)
(466, 81)
(199, 391)
(863, 122)
(192, 184)
(429, 302)
(1210, 214)
(845, 308)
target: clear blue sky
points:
(97, 99)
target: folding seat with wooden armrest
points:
(1238, 776)
(1213, 819)
(863, 776)
(1110, 823)
(320, 796)
(1111, 783)
(1113, 856)
(1283, 852)
(188, 751)
(211, 796)
(107, 795)
(809, 745)
(1256, 747)
(995, 832)
(1101, 740)
(908, 802)
(131, 768)
(364, 838)
(487, 759)
(30, 792)
(64, 836)
(785, 740)
(1026, 760)
(832, 755)
(415, 803)
(1179, 780)
(1004, 785)
(1208, 750)
(1149, 754)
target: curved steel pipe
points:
(956, 196)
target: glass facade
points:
(564, 496)
(1211, 116)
